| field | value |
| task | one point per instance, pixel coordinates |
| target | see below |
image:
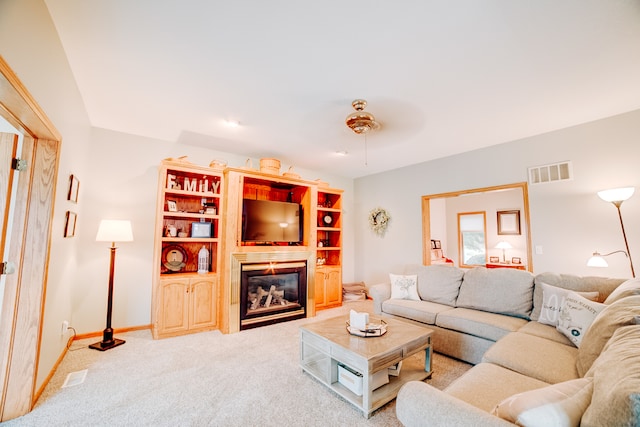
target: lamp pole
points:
(624, 235)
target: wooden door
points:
(202, 303)
(8, 149)
(319, 287)
(174, 315)
(333, 286)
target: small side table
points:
(505, 265)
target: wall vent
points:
(562, 171)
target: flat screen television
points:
(266, 221)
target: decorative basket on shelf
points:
(271, 166)
(291, 174)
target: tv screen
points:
(266, 221)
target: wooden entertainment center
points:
(200, 212)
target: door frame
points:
(25, 290)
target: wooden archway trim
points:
(24, 296)
(426, 216)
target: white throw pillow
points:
(404, 287)
(558, 405)
(576, 316)
(552, 299)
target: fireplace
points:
(272, 292)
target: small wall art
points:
(509, 222)
(70, 224)
(74, 188)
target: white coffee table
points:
(326, 343)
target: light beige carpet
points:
(251, 378)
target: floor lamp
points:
(111, 231)
(617, 196)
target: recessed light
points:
(232, 123)
(341, 153)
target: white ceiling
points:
(441, 76)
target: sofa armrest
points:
(380, 293)
(419, 404)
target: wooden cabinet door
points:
(320, 284)
(333, 286)
(174, 315)
(203, 303)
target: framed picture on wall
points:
(433, 244)
(509, 222)
(74, 187)
(438, 245)
(70, 224)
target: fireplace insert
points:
(272, 292)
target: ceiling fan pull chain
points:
(366, 160)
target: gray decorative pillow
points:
(497, 290)
(440, 283)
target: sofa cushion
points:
(629, 288)
(421, 311)
(575, 283)
(497, 290)
(485, 385)
(404, 287)
(534, 357)
(439, 283)
(545, 331)
(560, 405)
(479, 323)
(616, 381)
(552, 299)
(576, 316)
(621, 313)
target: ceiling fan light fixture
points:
(360, 121)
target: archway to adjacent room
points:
(520, 238)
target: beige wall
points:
(568, 220)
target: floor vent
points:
(562, 171)
(75, 378)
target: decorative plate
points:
(174, 257)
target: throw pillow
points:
(404, 287)
(559, 405)
(552, 300)
(628, 288)
(576, 315)
(623, 312)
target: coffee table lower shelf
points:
(413, 369)
(321, 362)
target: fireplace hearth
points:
(272, 292)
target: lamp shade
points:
(597, 260)
(503, 245)
(114, 230)
(616, 194)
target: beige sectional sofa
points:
(504, 322)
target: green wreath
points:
(378, 221)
